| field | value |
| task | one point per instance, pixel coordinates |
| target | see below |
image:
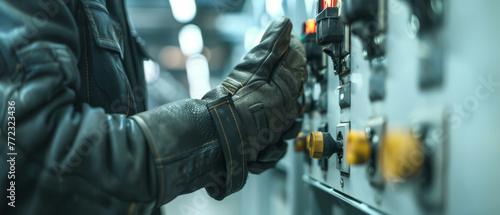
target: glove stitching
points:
(242, 145)
(230, 157)
(231, 85)
(226, 88)
(234, 80)
(219, 104)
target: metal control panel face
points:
(390, 95)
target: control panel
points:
(377, 106)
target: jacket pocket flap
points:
(106, 33)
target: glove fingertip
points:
(259, 62)
(273, 30)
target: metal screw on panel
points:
(375, 139)
(378, 40)
(413, 26)
(365, 54)
(417, 130)
(437, 6)
(378, 199)
(433, 139)
(347, 62)
(368, 132)
(342, 182)
(371, 170)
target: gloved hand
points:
(265, 87)
(235, 128)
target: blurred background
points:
(194, 45)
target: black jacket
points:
(78, 152)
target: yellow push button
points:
(401, 156)
(316, 144)
(300, 142)
(358, 148)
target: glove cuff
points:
(234, 145)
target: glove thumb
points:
(259, 63)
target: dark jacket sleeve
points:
(76, 159)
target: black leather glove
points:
(244, 117)
(265, 87)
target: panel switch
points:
(322, 145)
(358, 148)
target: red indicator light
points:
(310, 26)
(329, 3)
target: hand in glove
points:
(244, 117)
(265, 87)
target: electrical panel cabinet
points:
(397, 103)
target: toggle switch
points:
(368, 21)
(366, 10)
(330, 32)
(328, 3)
(399, 155)
(358, 148)
(322, 145)
(314, 53)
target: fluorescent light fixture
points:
(190, 40)
(250, 36)
(274, 8)
(183, 10)
(198, 75)
(151, 71)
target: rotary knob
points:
(358, 148)
(322, 145)
(401, 156)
